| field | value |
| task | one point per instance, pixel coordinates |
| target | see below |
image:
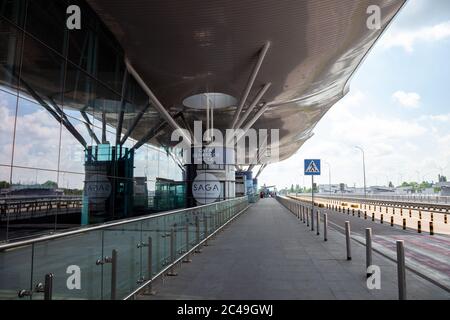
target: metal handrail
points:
(105, 226)
(179, 259)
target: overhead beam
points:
(122, 107)
(156, 103)
(261, 170)
(250, 83)
(150, 135)
(134, 124)
(252, 122)
(88, 124)
(258, 98)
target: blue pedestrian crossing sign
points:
(312, 167)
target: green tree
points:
(4, 184)
(50, 184)
(292, 188)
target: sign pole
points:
(312, 203)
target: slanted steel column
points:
(122, 107)
(249, 110)
(156, 103)
(134, 124)
(250, 83)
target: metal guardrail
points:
(438, 206)
(19, 208)
(112, 260)
(436, 199)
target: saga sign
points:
(206, 188)
(98, 188)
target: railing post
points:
(187, 259)
(401, 270)
(114, 275)
(48, 287)
(347, 240)
(206, 229)
(368, 250)
(197, 234)
(172, 272)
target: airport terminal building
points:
(92, 92)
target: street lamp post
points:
(364, 169)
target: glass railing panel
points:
(72, 261)
(15, 272)
(126, 239)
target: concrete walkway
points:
(268, 254)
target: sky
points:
(397, 110)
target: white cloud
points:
(440, 117)
(407, 39)
(410, 100)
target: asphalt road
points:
(426, 254)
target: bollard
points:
(392, 221)
(348, 211)
(368, 250)
(312, 219)
(410, 214)
(420, 215)
(353, 212)
(325, 227)
(432, 217)
(318, 223)
(431, 229)
(387, 210)
(365, 215)
(381, 219)
(404, 223)
(347, 240)
(307, 217)
(445, 218)
(401, 212)
(401, 272)
(359, 213)
(419, 226)
(373, 216)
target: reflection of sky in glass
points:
(40, 141)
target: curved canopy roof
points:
(184, 48)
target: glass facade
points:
(62, 92)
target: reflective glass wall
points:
(62, 92)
